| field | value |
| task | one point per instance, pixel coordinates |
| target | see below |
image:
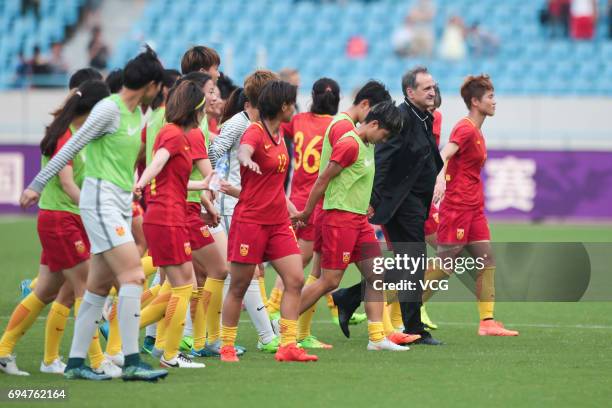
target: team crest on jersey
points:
(120, 231)
(79, 246)
(187, 247)
(460, 233)
(244, 249)
(436, 218)
(205, 232)
(346, 257)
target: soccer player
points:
(346, 178)
(202, 59)
(369, 95)
(223, 154)
(111, 133)
(307, 130)
(166, 220)
(209, 260)
(260, 229)
(463, 224)
(65, 256)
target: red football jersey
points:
(307, 130)
(437, 126)
(464, 186)
(197, 143)
(340, 129)
(262, 198)
(167, 204)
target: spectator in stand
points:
(356, 47)
(402, 38)
(583, 17)
(57, 63)
(555, 16)
(422, 17)
(452, 45)
(98, 51)
(23, 71)
(481, 42)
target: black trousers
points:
(406, 231)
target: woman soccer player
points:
(208, 260)
(463, 223)
(165, 227)
(223, 153)
(260, 229)
(307, 130)
(65, 248)
(112, 134)
(347, 236)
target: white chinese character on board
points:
(11, 177)
(510, 183)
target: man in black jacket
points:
(406, 170)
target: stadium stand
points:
(312, 36)
(22, 33)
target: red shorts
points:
(168, 245)
(254, 243)
(461, 226)
(63, 239)
(137, 210)
(199, 235)
(318, 233)
(432, 222)
(344, 245)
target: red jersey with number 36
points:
(464, 186)
(262, 198)
(307, 130)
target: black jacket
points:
(400, 160)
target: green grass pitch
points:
(563, 356)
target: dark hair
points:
(325, 97)
(438, 97)
(409, 78)
(198, 77)
(170, 77)
(374, 91)
(199, 57)
(183, 98)
(234, 105)
(272, 97)
(114, 80)
(254, 83)
(226, 86)
(80, 102)
(388, 116)
(142, 69)
(82, 75)
(475, 87)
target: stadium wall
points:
(549, 158)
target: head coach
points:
(406, 169)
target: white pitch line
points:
(458, 324)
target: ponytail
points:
(325, 97)
(79, 102)
(234, 105)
